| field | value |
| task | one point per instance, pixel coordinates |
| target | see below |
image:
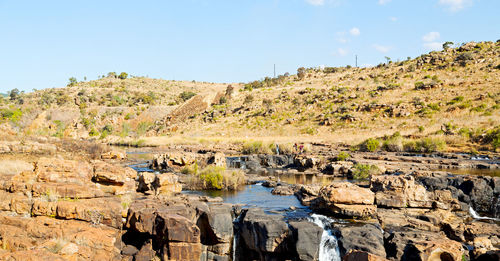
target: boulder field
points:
(98, 210)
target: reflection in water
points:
(261, 197)
(476, 172)
(307, 179)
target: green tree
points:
(72, 81)
(301, 73)
(447, 45)
(123, 75)
(14, 94)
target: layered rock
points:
(345, 199)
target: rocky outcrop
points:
(399, 191)
(345, 200)
(152, 183)
(368, 237)
(307, 238)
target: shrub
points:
(301, 73)
(123, 75)
(14, 94)
(93, 132)
(14, 115)
(493, 137)
(342, 156)
(186, 95)
(72, 82)
(255, 147)
(222, 100)
(143, 127)
(456, 100)
(248, 98)
(213, 177)
(370, 145)
(419, 85)
(394, 143)
(425, 145)
(364, 171)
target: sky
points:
(43, 43)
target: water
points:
(475, 172)
(141, 167)
(475, 215)
(329, 248)
(260, 197)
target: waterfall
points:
(329, 248)
(475, 215)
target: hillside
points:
(453, 95)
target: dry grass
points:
(13, 167)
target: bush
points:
(419, 85)
(248, 99)
(493, 137)
(93, 132)
(123, 75)
(301, 73)
(425, 145)
(370, 145)
(213, 177)
(342, 156)
(255, 147)
(186, 95)
(394, 143)
(14, 115)
(72, 82)
(364, 171)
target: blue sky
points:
(43, 43)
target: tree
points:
(14, 94)
(123, 75)
(112, 75)
(301, 73)
(447, 45)
(388, 59)
(72, 81)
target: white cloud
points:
(382, 48)
(316, 2)
(354, 31)
(431, 36)
(455, 5)
(383, 2)
(341, 37)
(341, 52)
(434, 46)
(393, 18)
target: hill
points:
(451, 96)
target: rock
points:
(367, 238)
(218, 159)
(405, 243)
(262, 236)
(283, 190)
(346, 193)
(399, 191)
(345, 199)
(216, 224)
(129, 250)
(357, 255)
(307, 238)
(106, 173)
(146, 253)
(96, 211)
(307, 193)
(482, 245)
(145, 182)
(113, 155)
(62, 171)
(167, 183)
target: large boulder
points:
(345, 199)
(307, 238)
(262, 237)
(106, 173)
(63, 171)
(368, 237)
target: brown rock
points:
(181, 251)
(356, 255)
(62, 171)
(167, 183)
(347, 193)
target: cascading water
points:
(329, 248)
(475, 215)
